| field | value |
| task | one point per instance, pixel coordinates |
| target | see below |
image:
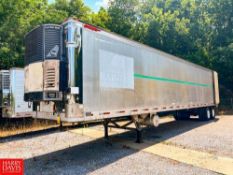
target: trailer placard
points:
(116, 71)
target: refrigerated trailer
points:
(84, 73)
(12, 104)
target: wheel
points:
(213, 114)
(182, 115)
(204, 114)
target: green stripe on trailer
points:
(140, 76)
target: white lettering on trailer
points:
(116, 71)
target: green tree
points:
(222, 43)
(100, 19)
(123, 15)
(16, 16)
(73, 8)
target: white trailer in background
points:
(86, 74)
(12, 104)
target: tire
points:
(205, 114)
(213, 113)
(181, 115)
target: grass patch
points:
(10, 127)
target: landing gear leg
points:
(61, 125)
(106, 136)
(138, 132)
(106, 129)
(139, 136)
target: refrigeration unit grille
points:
(4, 80)
(53, 42)
(50, 78)
(34, 46)
(44, 42)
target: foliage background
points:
(200, 31)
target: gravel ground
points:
(215, 137)
(68, 153)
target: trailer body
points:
(12, 94)
(102, 75)
(122, 75)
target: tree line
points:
(200, 31)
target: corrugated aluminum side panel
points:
(17, 92)
(159, 79)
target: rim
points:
(213, 112)
(208, 113)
